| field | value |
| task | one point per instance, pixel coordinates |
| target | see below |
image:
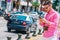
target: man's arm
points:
(55, 19)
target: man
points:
(49, 22)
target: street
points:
(13, 34)
(3, 30)
(29, 15)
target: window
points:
(20, 17)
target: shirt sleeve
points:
(42, 24)
(53, 21)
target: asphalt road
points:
(13, 34)
(3, 31)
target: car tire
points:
(28, 30)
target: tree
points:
(55, 4)
(35, 5)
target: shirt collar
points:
(50, 11)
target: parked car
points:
(20, 22)
(34, 15)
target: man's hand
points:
(42, 20)
(45, 28)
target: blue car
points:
(19, 22)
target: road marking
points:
(35, 38)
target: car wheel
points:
(28, 33)
(9, 29)
(28, 30)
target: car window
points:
(28, 19)
(16, 12)
(20, 17)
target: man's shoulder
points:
(55, 12)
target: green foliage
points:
(56, 3)
(36, 4)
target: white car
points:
(34, 15)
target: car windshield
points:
(20, 17)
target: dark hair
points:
(46, 2)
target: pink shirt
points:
(52, 18)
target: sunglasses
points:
(45, 7)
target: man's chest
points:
(49, 17)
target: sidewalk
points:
(38, 37)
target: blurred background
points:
(23, 5)
(12, 11)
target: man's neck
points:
(50, 10)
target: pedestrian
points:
(49, 22)
(14, 4)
